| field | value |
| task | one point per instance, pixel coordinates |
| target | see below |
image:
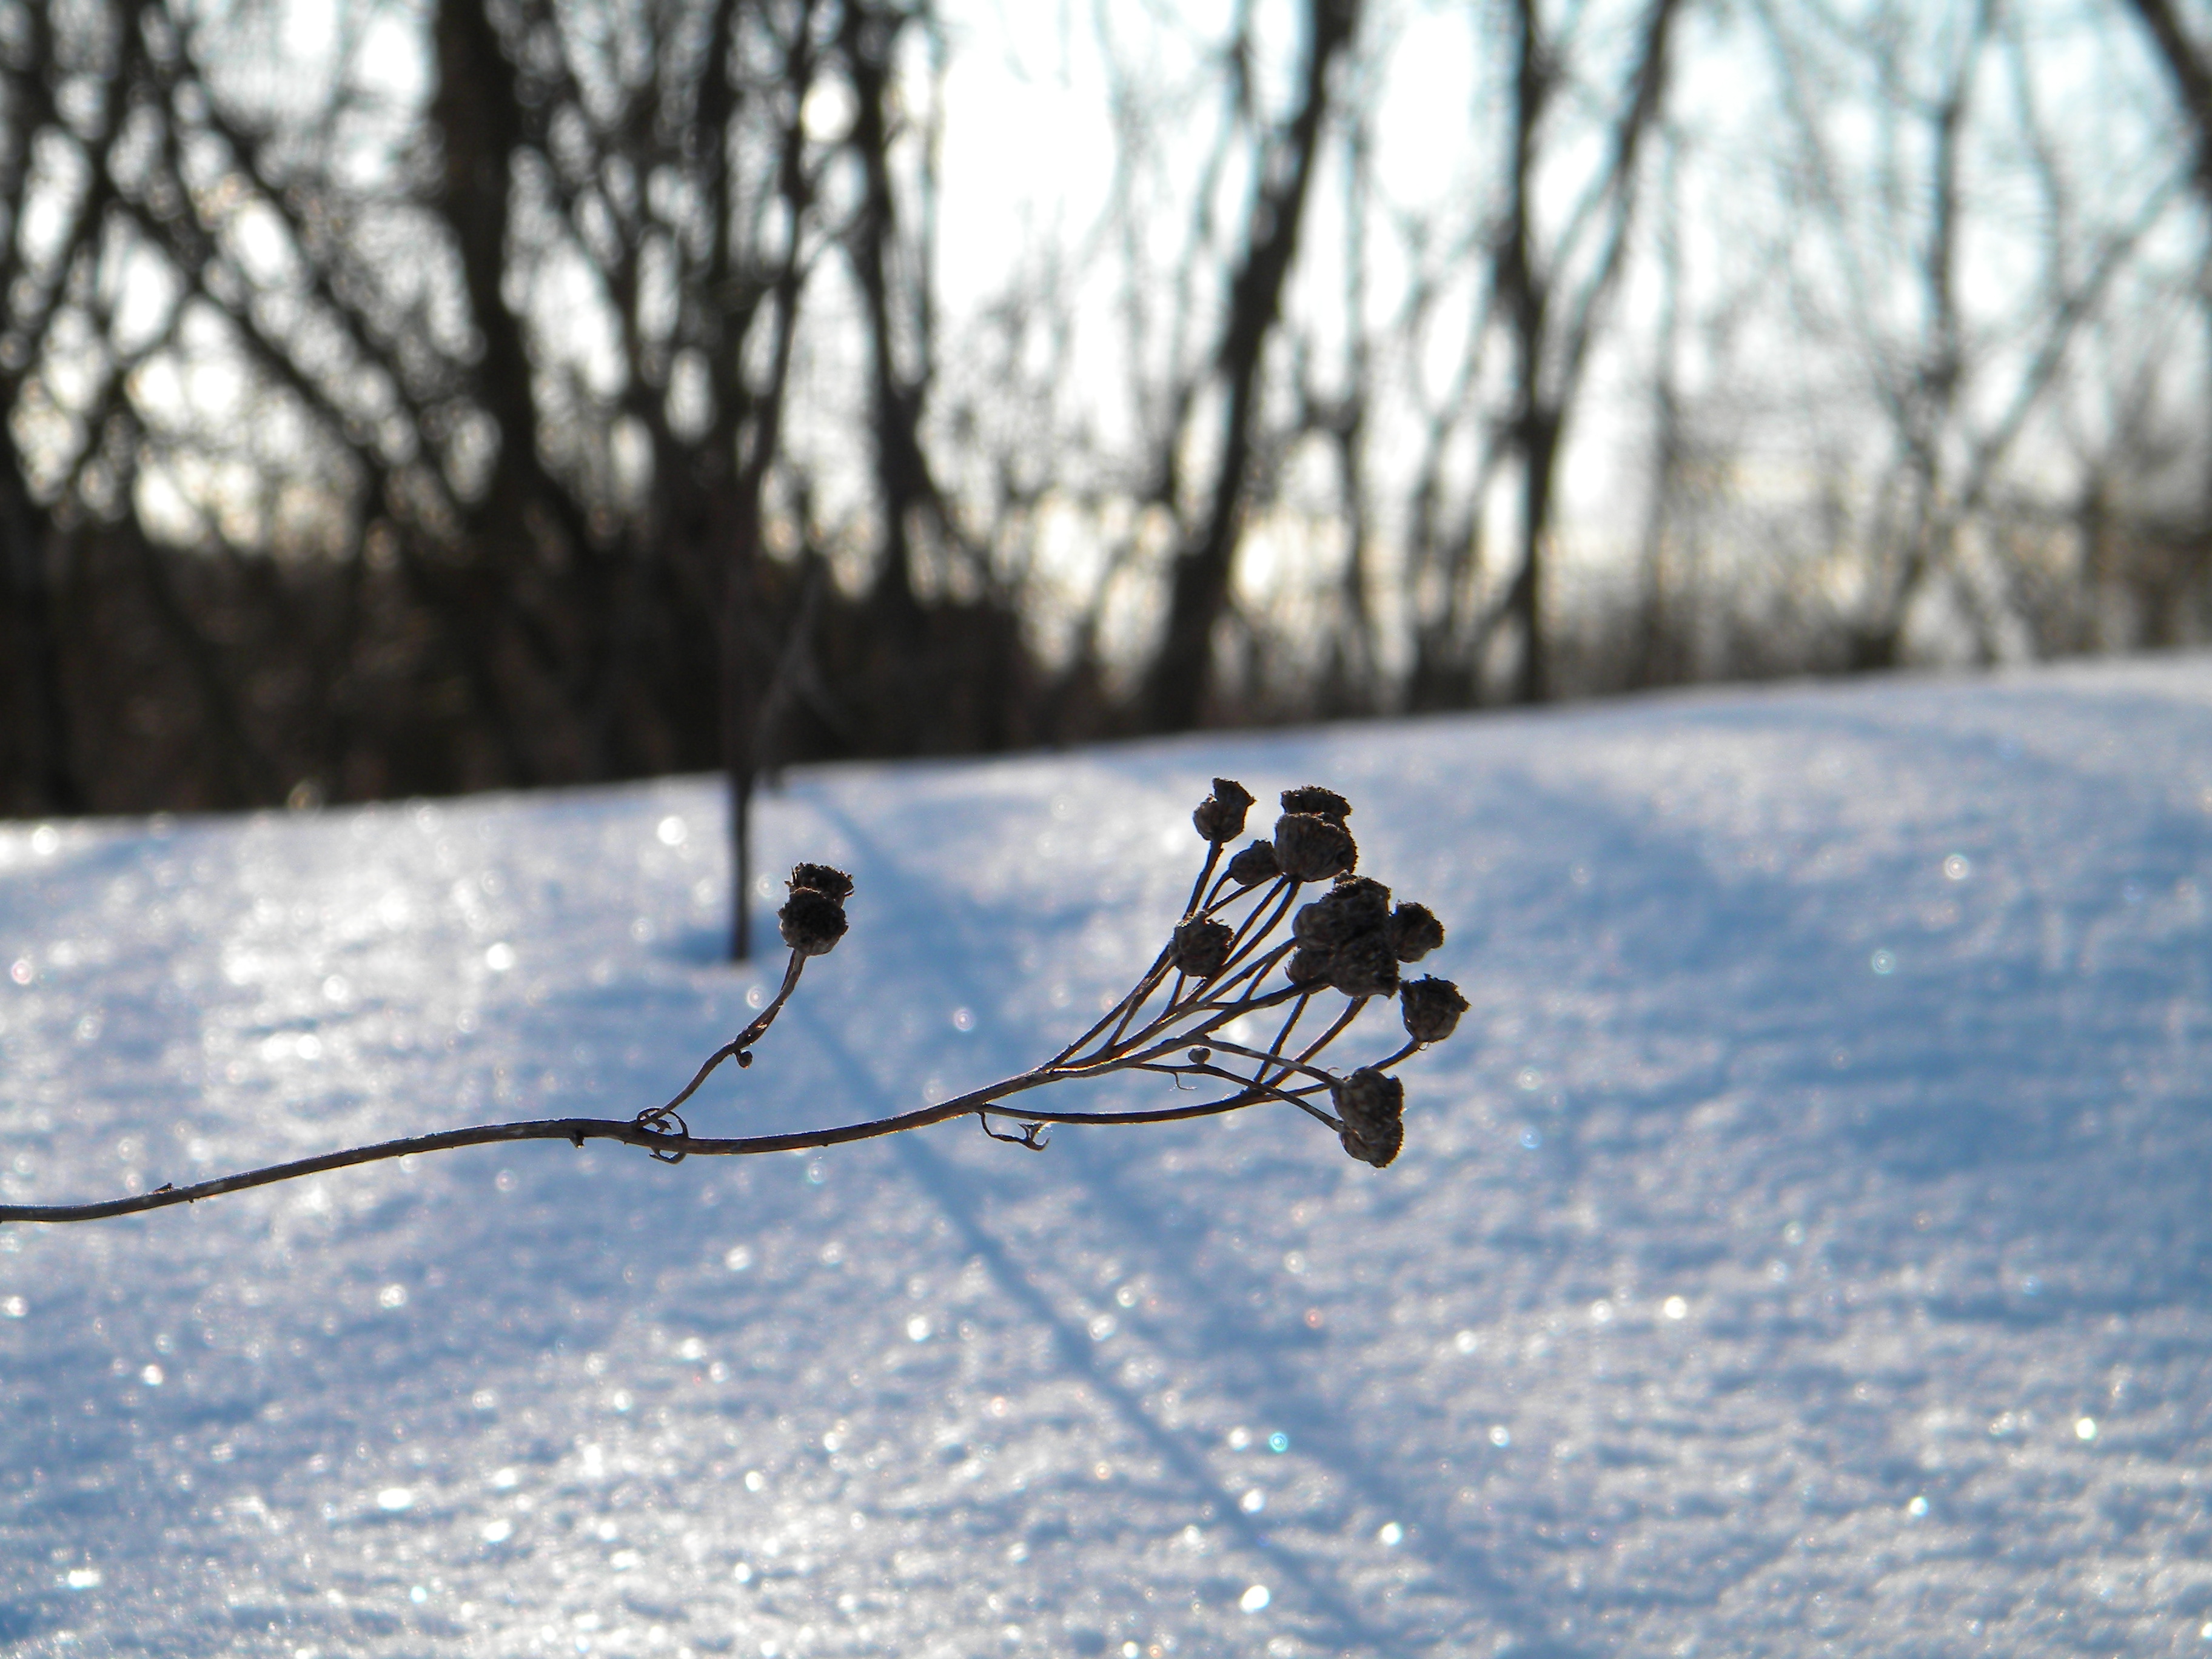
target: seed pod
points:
(821, 879)
(1201, 948)
(1353, 907)
(1254, 864)
(1321, 803)
(1220, 816)
(1307, 968)
(1415, 932)
(1372, 1106)
(1363, 967)
(1431, 1008)
(811, 922)
(1309, 848)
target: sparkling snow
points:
(1805, 1244)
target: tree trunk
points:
(1175, 691)
(41, 706)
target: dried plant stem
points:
(737, 1047)
(637, 1132)
(1207, 980)
(661, 1130)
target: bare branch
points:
(1353, 944)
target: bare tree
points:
(1552, 302)
(1176, 681)
(1956, 391)
(2189, 65)
(601, 413)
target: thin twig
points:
(628, 1131)
(737, 1047)
(1193, 1014)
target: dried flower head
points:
(1320, 802)
(1431, 1008)
(1415, 932)
(1372, 1106)
(1307, 968)
(812, 918)
(1201, 948)
(1220, 816)
(1355, 906)
(1254, 864)
(821, 879)
(1309, 847)
(1363, 967)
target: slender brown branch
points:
(1141, 988)
(1350, 1012)
(1206, 871)
(737, 1047)
(1284, 1068)
(630, 1132)
(1197, 1007)
(1282, 1037)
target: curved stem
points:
(736, 1047)
(1268, 1062)
(1208, 994)
(1198, 887)
(1193, 1014)
(1262, 1091)
(630, 1131)
(578, 1130)
(1278, 900)
(1106, 1020)
(1336, 1030)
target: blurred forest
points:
(416, 398)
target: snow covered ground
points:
(1805, 1246)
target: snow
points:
(1804, 1244)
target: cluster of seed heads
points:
(1226, 957)
(1244, 946)
(1350, 939)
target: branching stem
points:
(1198, 1006)
(630, 1131)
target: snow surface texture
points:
(1804, 1245)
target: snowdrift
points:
(1806, 1241)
